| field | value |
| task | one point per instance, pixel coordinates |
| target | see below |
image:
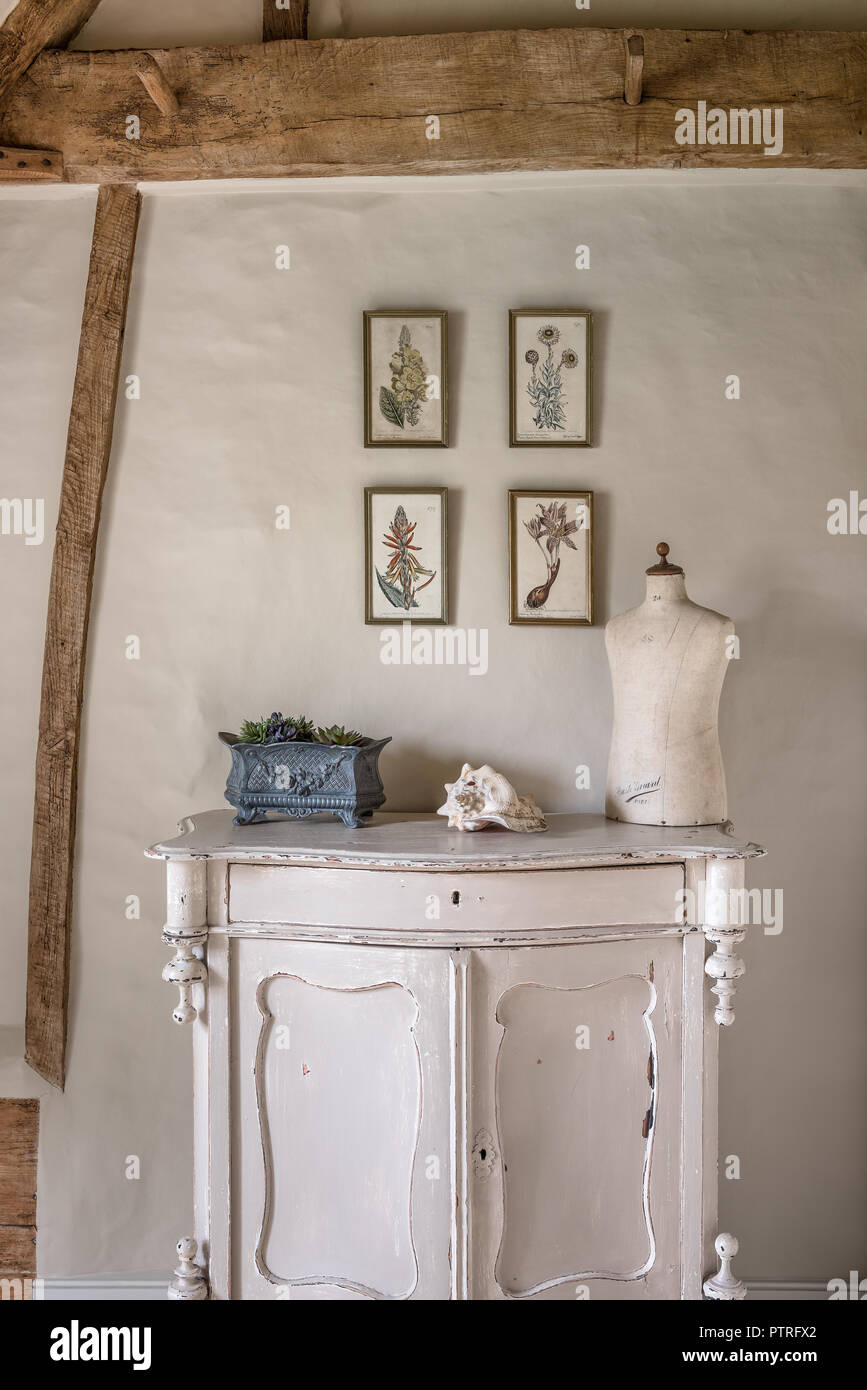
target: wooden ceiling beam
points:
(34, 25)
(30, 166)
(523, 99)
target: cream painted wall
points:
(251, 398)
(166, 23)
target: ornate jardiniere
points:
(299, 779)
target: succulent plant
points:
(253, 730)
(304, 726)
(295, 729)
(337, 735)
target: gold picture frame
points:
(535, 569)
(425, 528)
(543, 395)
(396, 397)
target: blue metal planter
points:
(300, 779)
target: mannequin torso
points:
(668, 660)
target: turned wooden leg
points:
(723, 1285)
(726, 968)
(186, 927)
(724, 929)
(190, 1281)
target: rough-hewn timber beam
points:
(91, 420)
(546, 99)
(30, 166)
(34, 25)
(153, 80)
(284, 19)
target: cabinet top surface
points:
(410, 840)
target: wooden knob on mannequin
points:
(663, 567)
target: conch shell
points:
(482, 797)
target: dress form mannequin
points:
(668, 660)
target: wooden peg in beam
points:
(156, 84)
(634, 81)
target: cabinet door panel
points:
(342, 1168)
(576, 1119)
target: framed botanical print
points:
(406, 378)
(549, 376)
(551, 557)
(406, 554)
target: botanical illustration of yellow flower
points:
(401, 404)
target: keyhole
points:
(456, 898)
(483, 1153)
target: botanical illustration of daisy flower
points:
(545, 388)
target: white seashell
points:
(482, 797)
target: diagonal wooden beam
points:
(522, 99)
(88, 444)
(34, 25)
(19, 1139)
(286, 20)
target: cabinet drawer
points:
(511, 904)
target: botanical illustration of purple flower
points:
(553, 526)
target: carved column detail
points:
(190, 1282)
(726, 968)
(723, 1284)
(723, 927)
(186, 927)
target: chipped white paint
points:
(484, 1155)
(723, 1285)
(668, 660)
(417, 1112)
(407, 840)
(189, 1282)
(724, 966)
(482, 797)
(186, 929)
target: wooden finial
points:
(663, 567)
(634, 79)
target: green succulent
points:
(253, 730)
(298, 729)
(304, 726)
(276, 729)
(343, 738)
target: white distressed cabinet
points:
(436, 1065)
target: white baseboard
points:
(786, 1290)
(152, 1287)
(103, 1288)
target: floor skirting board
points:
(152, 1287)
(786, 1290)
(103, 1288)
